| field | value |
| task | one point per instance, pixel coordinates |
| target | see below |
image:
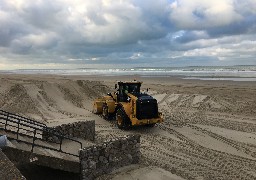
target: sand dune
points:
(45, 101)
(208, 133)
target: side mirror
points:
(147, 89)
(115, 86)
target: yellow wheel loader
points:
(128, 106)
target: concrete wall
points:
(81, 129)
(21, 157)
(8, 170)
(100, 159)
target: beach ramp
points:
(26, 145)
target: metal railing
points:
(25, 127)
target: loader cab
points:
(127, 87)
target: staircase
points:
(26, 144)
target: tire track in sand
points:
(218, 165)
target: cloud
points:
(201, 14)
(187, 36)
(111, 32)
(136, 56)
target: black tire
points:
(122, 120)
(151, 125)
(94, 109)
(105, 112)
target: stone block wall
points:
(8, 170)
(103, 158)
(81, 129)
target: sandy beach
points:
(209, 130)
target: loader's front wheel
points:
(95, 110)
(105, 112)
(122, 120)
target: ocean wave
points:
(227, 71)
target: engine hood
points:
(142, 97)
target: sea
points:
(229, 73)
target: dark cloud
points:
(246, 26)
(42, 14)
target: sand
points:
(209, 130)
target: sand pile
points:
(16, 99)
(44, 100)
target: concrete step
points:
(19, 156)
(67, 146)
(19, 147)
(20, 152)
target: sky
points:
(126, 33)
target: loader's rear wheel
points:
(105, 112)
(122, 120)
